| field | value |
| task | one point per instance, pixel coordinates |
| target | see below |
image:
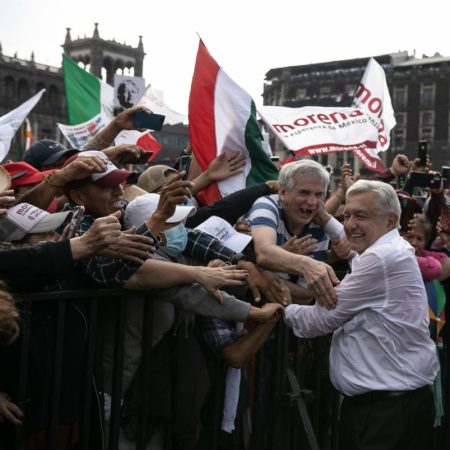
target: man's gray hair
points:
(305, 167)
(387, 197)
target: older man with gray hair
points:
(382, 358)
(296, 215)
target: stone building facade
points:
(20, 79)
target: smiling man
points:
(382, 358)
(275, 219)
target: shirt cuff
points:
(289, 315)
(334, 229)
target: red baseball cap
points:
(23, 174)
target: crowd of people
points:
(80, 219)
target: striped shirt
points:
(268, 212)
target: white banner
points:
(364, 128)
(154, 101)
(11, 122)
(373, 98)
(315, 130)
(78, 135)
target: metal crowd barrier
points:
(294, 406)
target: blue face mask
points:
(176, 240)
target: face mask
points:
(176, 240)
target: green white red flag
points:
(222, 118)
(89, 109)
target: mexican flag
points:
(86, 95)
(90, 108)
(222, 118)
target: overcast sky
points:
(246, 37)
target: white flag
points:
(11, 122)
(154, 101)
(373, 97)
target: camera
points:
(422, 179)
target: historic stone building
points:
(20, 79)
(419, 89)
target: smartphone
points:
(422, 179)
(446, 175)
(185, 164)
(150, 121)
(75, 220)
(422, 152)
(445, 218)
(409, 208)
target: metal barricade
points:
(91, 421)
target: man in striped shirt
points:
(288, 217)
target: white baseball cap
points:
(144, 206)
(23, 219)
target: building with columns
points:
(104, 58)
(21, 78)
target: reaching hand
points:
(126, 154)
(243, 226)
(131, 247)
(267, 313)
(79, 168)
(346, 178)
(174, 193)
(342, 248)
(273, 186)
(322, 216)
(225, 166)
(124, 120)
(400, 166)
(9, 410)
(213, 278)
(320, 278)
(104, 232)
(301, 246)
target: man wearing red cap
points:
(101, 194)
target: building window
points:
(325, 91)
(426, 118)
(400, 119)
(427, 92)
(399, 139)
(8, 87)
(54, 97)
(300, 94)
(426, 134)
(23, 89)
(400, 97)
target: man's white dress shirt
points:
(381, 339)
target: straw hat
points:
(5, 180)
(133, 191)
